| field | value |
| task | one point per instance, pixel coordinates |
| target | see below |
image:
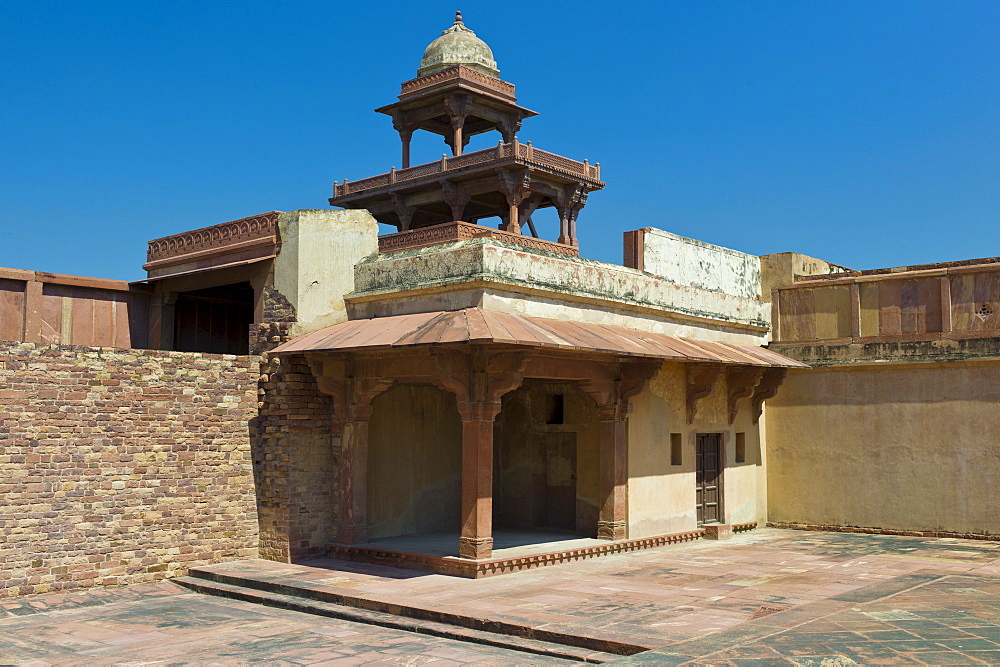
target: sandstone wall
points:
(122, 466)
(902, 447)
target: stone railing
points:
(262, 228)
(450, 232)
(501, 153)
(458, 72)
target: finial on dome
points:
(458, 45)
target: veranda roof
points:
(474, 325)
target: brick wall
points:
(295, 450)
(122, 466)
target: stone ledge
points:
(882, 531)
(477, 569)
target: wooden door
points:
(708, 482)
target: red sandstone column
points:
(476, 540)
(478, 378)
(613, 460)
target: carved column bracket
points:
(405, 130)
(508, 127)
(353, 391)
(741, 382)
(569, 207)
(403, 211)
(701, 379)
(515, 184)
(613, 395)
(767, 388)
(456, 197)
(458, 108)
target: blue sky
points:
(865, 133)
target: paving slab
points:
(765, 597)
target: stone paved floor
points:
(765, 597)
(166, 624)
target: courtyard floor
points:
(764, 597)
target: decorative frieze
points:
(257, 230)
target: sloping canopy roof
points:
(474, 325)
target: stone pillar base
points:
(718, 531)
(611, 530)
(475, 547)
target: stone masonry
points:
(294, 438)
(122, 466)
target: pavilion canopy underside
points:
(474, 325)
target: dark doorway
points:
(560, 480)
(708, 483)
(216, 319)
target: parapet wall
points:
(693, 263)
(122, 466)
(43, 307)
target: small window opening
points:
(741, 447)
(554, 404)
(675, 449)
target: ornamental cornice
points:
(237, 234)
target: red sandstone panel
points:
(987, 301)
(929, 294)
(136, 333)
(83, 317)
(911, 316)
(963, 295)
(123, 336)
(798, 318)
(11, 309)
(104, 318)
(889, 308)
(51, 312)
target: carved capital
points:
(509, 127)
(741, 382)
(458, 108)
(767, 388)
(515, 184)
(701, 379)
(614, 393)
(352, 392)
(479, 379)
(403, 211)
(456, 197)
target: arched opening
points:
(414, 463)
(546, 472)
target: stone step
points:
(260, 593)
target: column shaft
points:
(476, 540)
(611, 522)
(353, 528)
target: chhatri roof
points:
(474, 325)
(458, 46)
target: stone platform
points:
(513, 551)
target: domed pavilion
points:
(458, 93)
